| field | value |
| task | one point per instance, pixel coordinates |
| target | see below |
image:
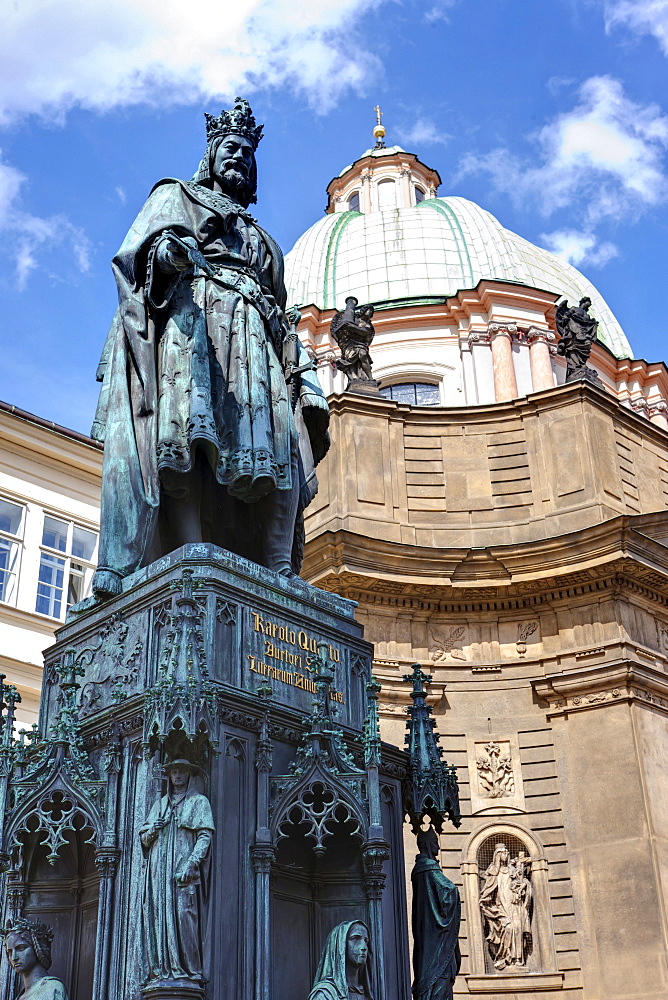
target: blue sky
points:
(552, 114)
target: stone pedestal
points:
(173, 989)
(364, 386)
(261, 681)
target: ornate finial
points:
(238, 121)
(430, 788)
(379, 130)
(372, 727)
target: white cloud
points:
(422, 132)
(579, 247)
(644, 17)
(604, 158)
(439, 11)
(26, 237)
(58, 54)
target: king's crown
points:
(238, 121)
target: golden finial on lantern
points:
(379, 130)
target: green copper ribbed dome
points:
(433, 250)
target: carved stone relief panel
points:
(662, 634)
(447, 642)
(520, 638)
(495, 776)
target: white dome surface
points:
(435, 249)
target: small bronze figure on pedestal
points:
(353, 331)
(343, 972)
(28, 946)
(577, 330)
(176, 838)
(436, 919)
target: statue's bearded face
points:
(232, 167)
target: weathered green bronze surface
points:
(436, 918)
(205, 440)
(343, 972)
(207, 796)
(208, 771)
(28, 947)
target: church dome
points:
(426, 250)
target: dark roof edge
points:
(49, 425)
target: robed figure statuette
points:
(436, 919)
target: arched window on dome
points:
(354, 202)
(387, 194)
(413, 393)
(419, 195)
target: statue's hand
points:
(188, 874)
(172, 257)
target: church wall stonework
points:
(541, 613)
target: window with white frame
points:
(12, 517)
(354, 202)
(66, 566)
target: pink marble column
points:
(542, 376)
(505, 383)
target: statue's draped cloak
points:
(436, 919)
(195, 363)
(46, 988)
(330, 980)
(174, 917)
(507, 913)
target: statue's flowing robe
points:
(508, 914)
(330, 980)
(436, 919)
(194, 364)
(173, 915)
(46, 988)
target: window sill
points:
(527, 982)
(34, 620)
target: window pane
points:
(403, 393)
(354, 202)
(426, 395)
(419, 195)
(10, 517)
(55, 534)
(413, 393)
(50, 586)
(75, 584)
(9, 552)
(83, 543)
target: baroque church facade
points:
(503, 528)
(507, 530)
